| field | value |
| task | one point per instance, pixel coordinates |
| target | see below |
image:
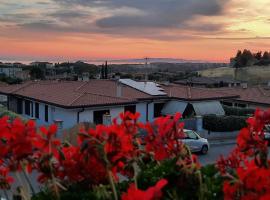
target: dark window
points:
(19, 106)
(46, 113)
(157, 109)
(131, 108)
(27, 107)
(37, 110)
(32, 109)
(241, 105)
(98, 116)
(227, 103)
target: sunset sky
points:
(209, 30)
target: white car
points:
(195, 142)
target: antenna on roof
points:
(146, 68)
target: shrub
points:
(223, 123)
(238, 111)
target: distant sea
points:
(113, 61)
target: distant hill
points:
(142, 61)
(251, 74)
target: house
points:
(249, 97)
(209, 82)
(10, 71)
(46, 65)
(98, 101)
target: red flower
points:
(46, 143)
(152, 193)
(166, 142)
(5, 180)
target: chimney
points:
(85, 77)
(244, 85)
(268, 84)
(119, 89)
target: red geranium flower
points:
(152, 193)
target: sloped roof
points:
(195, 93)
(73, 94)
(256, 94)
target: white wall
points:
(69, 116)
(141, 108)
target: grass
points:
(252, 74)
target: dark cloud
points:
(153, 13)
(128, 18)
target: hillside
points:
(252, 74)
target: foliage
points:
(10, 80)
(163, 168)
(100, 156)
(246, 170)
(223, 123)
(213, 182)
(10, 114)
(37, 72)
(247, 58)
(234, 111)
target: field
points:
(252, 74)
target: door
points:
(98, 116)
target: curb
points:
(222, 142)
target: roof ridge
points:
(85, 83)
(74, 100)
(23, 86)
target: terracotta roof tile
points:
(100, 92)
(256, 94)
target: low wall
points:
(219, 135)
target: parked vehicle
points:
(195, 142)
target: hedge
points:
(10, 114)
(223, 123)
(238, 111)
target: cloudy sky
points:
(95, 29)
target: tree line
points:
(247, 58)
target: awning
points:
(172, 107)
(208, 107)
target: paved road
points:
(215, 152)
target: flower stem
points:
(27, 179)
(112, 184)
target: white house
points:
(99, 101)
(10, 71)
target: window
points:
(98, 116)
(27, 107)
(241, 105)
(37, 110)
(19, 106)
(46, 113)
(32, 109)
(131, 108)
(157, 109)
(191, 135)
(227, 103)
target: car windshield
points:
(190, 135)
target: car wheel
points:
(204, 149)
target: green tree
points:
(266, 55)
(37, 73)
